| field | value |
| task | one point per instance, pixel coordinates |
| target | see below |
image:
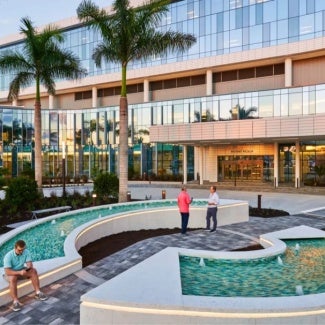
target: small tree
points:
(21, 195)
(320, 172)
(106, 185)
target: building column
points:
(51, 101)
(184, 164)
(15, 102)
(276, 165)
(297, 170)
(146, 93)
(217, 167)
(201, 161)
(94, 97)
(196, 162)
(209, 83)
(288, 72)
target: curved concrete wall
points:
(230, 211)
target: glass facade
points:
(221, 27)
(90, 139)
(246, 168)
(91, 136)
(272, 103)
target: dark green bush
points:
(106, 185)
(21, 195)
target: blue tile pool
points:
(299, 271)
(46, 240)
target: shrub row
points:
(22, 196)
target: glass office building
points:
(245, 103)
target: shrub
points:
(22, 195)
(106, 185)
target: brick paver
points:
(62, 307)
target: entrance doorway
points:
(242, 169)
(246, 168)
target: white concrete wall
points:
(151, 293)
(230, 211)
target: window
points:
(198, 80)
(83, 95)
(156, 85)
(171, 83)
(279, 69)
(229, 75)
(183, 82)
(246, 73)
(264, 71)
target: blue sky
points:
(41, 12)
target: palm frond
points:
(21, 80)
(94, 17)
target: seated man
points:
(18, 265)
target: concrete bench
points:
(65, 208)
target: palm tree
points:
(40, 62)
(207, 117)
(241, 113)
(130, 34)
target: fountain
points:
(122, 297)
(56, 256)
(202, 262)
(118, 218)
(299, 290)
(223, 277)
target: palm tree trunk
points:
(123, 150)
(38, 143)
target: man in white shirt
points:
(212, 209)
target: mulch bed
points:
(94, 251)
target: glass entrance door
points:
(242, 169)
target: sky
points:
(41, 12)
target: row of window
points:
(239, 74)
(115, 91)
(101, 125)
(221, 27)
(111, 91)
(255, 72)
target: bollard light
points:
(128, 196)
(259, 201)
(94, 198)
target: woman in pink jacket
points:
(184, 201)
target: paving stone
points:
(63, 304)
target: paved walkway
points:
(62, 307)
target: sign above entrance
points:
(241, 151)
(252, 149)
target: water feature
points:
(300, 272)
(46, 239)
